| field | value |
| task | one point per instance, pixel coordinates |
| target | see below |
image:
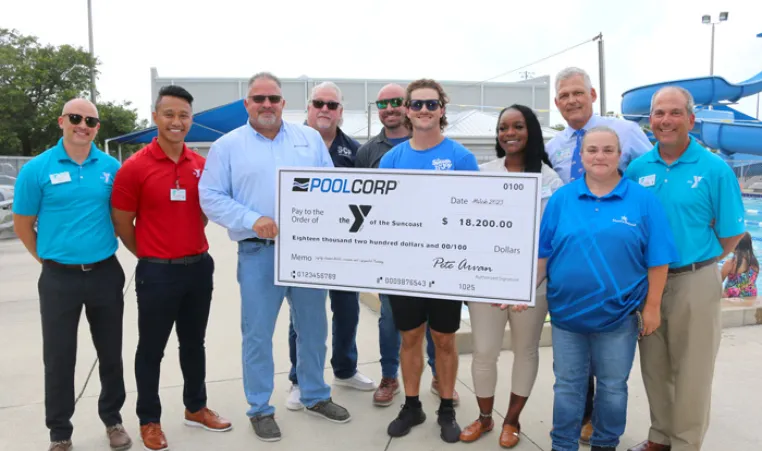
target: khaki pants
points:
(677, 360)
(488, 327)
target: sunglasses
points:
(319, 104)
(417, 105)
(75, 119)
(261, 99)
(395, 103)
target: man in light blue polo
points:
(575, 96)
(237, 191)
(66, 191)
(705, 211)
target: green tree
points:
(117, 120)
(36, 80)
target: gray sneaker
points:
(266, 428)
(60, 445)
(330, 411)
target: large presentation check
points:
(438, 234)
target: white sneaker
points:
(359, 382)
(293, 400)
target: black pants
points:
(172, 295)
(63, 292)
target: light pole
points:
(92, 53)
(707, 19)
(759, 36)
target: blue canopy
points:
(208, 125)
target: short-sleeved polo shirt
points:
(71, 202)
(164, 228)
(599, 250)
(697, 190)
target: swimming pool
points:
(753, 207)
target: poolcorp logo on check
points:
(343, 185)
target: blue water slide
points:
(720, 127)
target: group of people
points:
(625, 257)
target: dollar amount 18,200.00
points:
(479, 222)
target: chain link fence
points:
(9, 170)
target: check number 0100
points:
(511, 186)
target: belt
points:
(190, 259)
(82, 267)
(260, 241)
(692, 267)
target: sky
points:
(645, 41)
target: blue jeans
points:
(610, 356)
(345, 306)
(389, 342)
(261, 300)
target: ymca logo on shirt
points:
(197, 173)
(442, 164)
(106, 177)
(695, 182)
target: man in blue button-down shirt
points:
(66, 190)
(237, 191)
(324, 114)
(575, 96)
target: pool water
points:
(753, 207)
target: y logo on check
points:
(360, 212)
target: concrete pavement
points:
(735, 415)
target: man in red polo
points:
(157, 216)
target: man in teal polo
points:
(705, 211)
(66, 190)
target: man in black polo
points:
(324, 114)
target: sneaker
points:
(118, 438)
(330, 411)
(266, 428)
(407, 418)
(207, 419)
(384, 395)
(359, 382)
(450, 431)
(293, 400)
(435, 390)
(60, 445)
(153, 437)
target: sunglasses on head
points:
(417, 105)
(75, 119)
(261, 99)
(319, 104)
(395, 103)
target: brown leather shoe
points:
(153, 437)
(435, 390)
(509, 437)
(60, 445)
(586, 433)
(207, 419)
(118, 438)
(384, 395)
(474, 431)
(650, 446)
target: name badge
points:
(648, 180)
(177, 195)
(563, 154)
(61, 177)
(546, 192)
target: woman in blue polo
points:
(605, 246)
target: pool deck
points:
(735, 414)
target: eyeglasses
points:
(75, 119)
(395, 103)
(417, 105)
(261, 99)
(319, 104)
